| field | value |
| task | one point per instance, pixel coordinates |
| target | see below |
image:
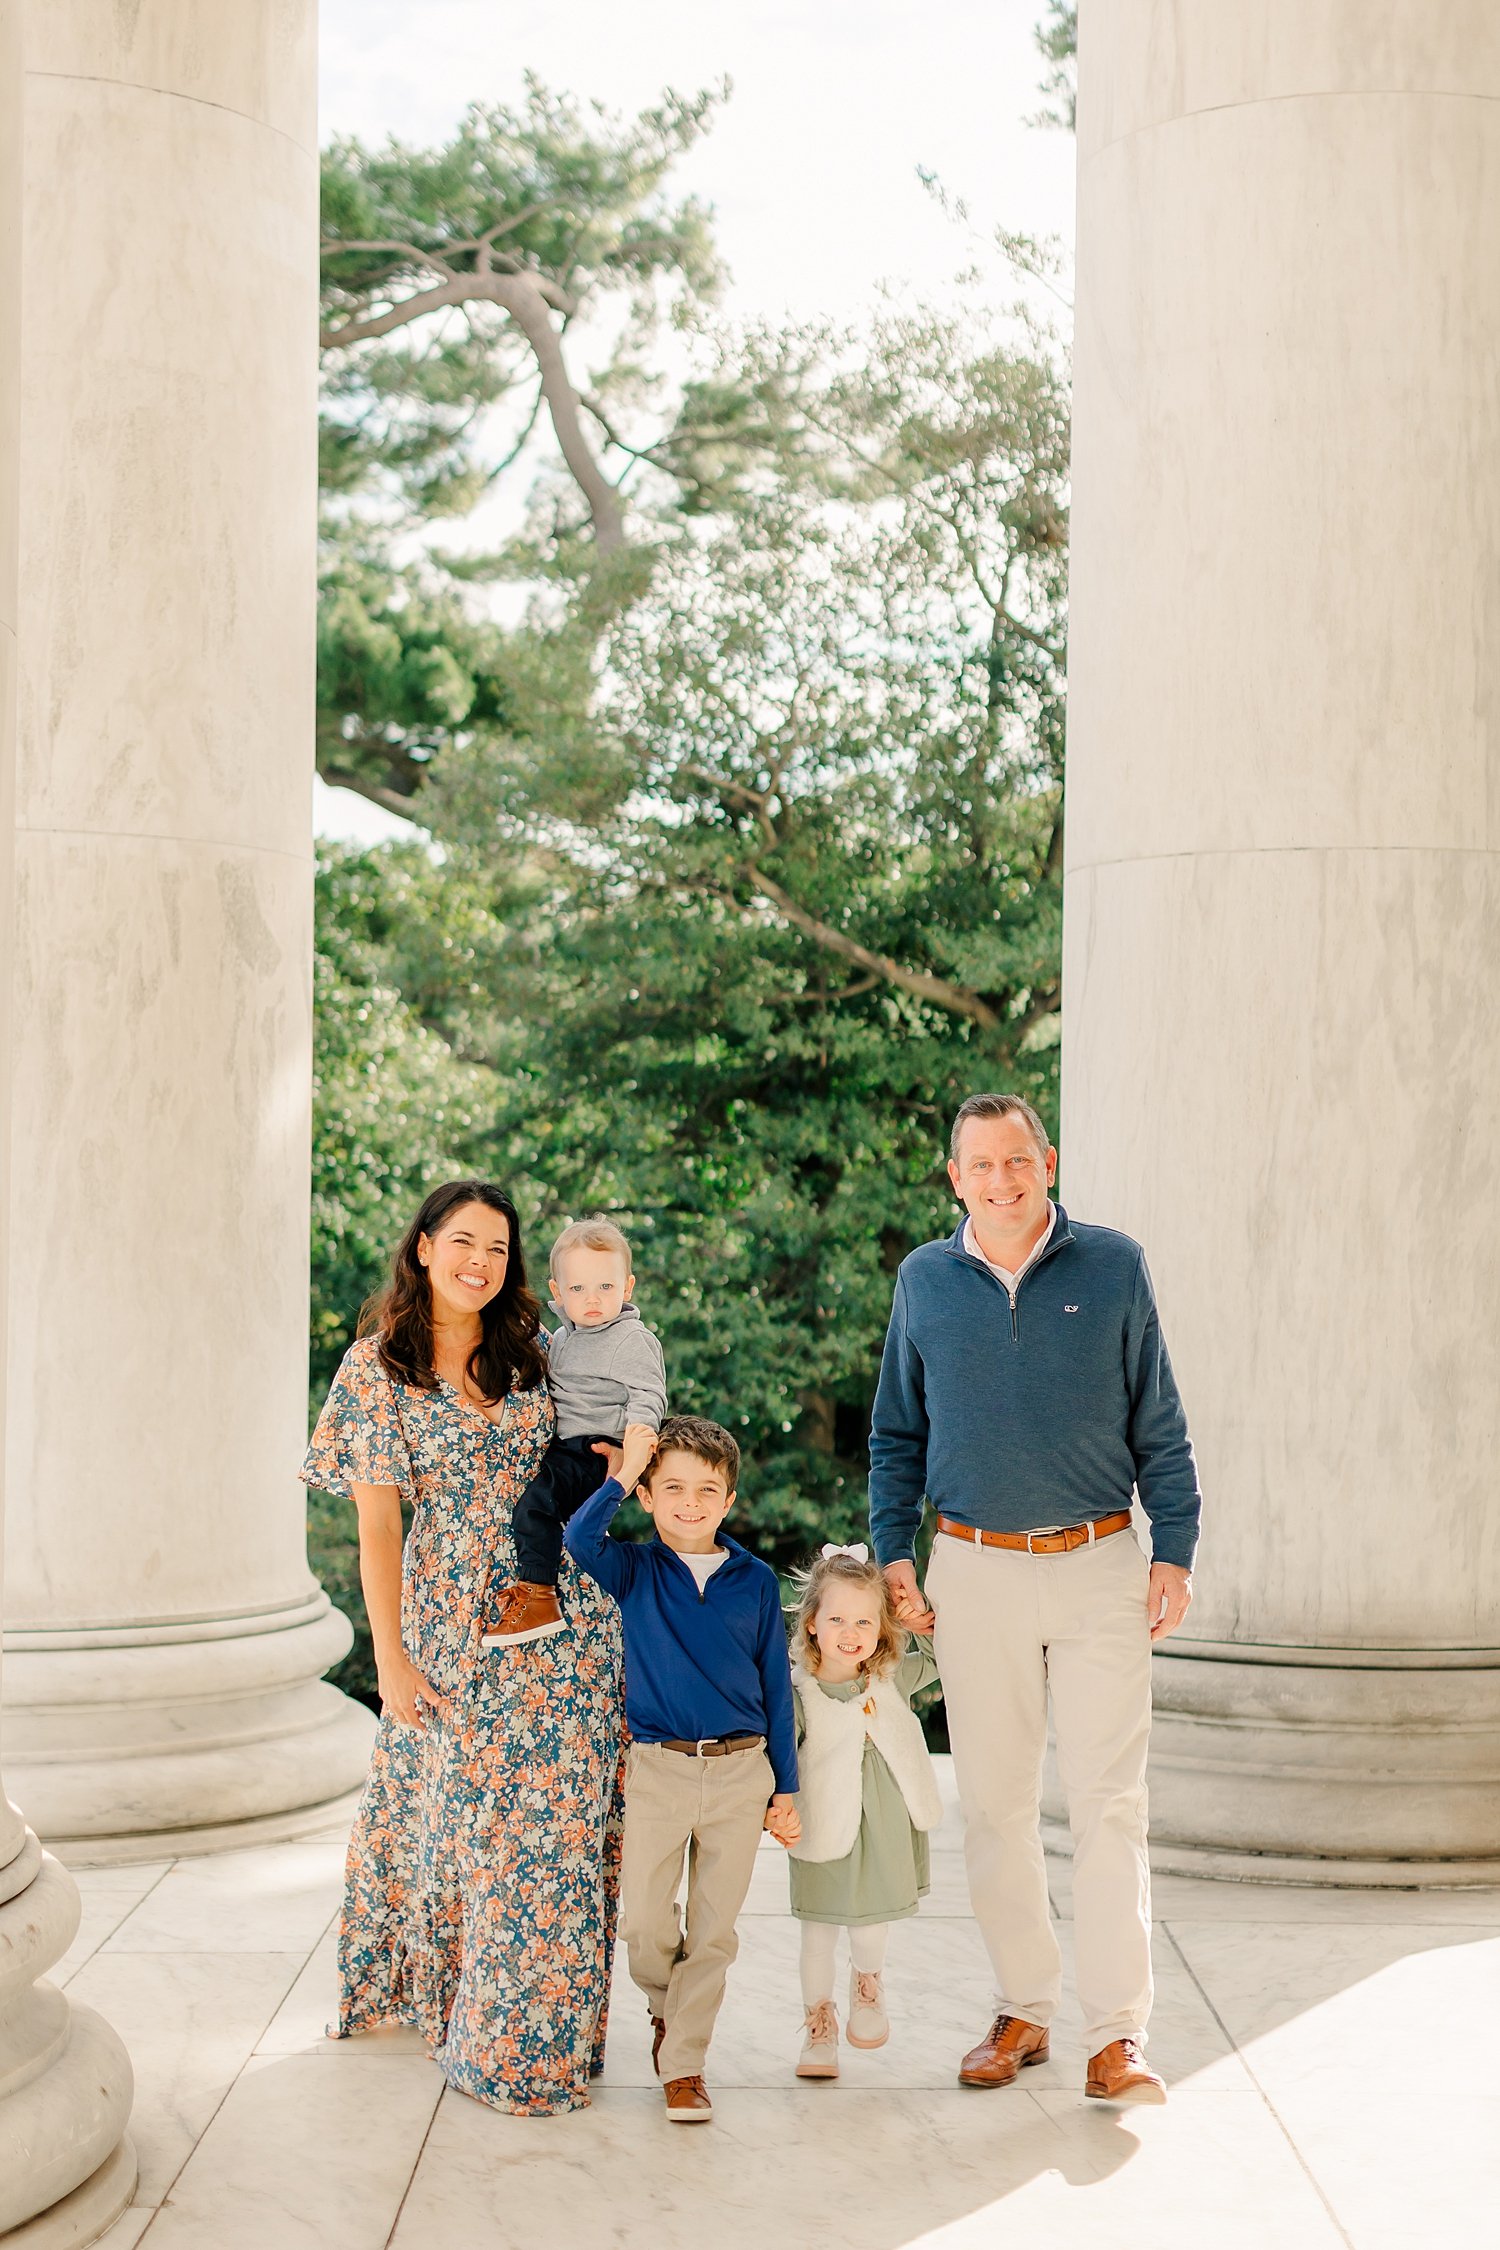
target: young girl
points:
(867, 1798)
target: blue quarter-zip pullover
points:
(697, 1664)
(1017, 1412)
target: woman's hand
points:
(401, 1685)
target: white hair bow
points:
(860, 1553)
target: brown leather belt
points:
(716, 1745)
(1040, 1542)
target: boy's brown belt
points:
(716, 1745)
(1040, 1542)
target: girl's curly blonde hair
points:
(842, 1568)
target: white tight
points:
(819, 1949)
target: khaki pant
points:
(1012, 1628)
(714, 1810)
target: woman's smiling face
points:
(466, 1260)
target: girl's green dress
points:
(887, 1871)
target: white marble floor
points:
(1330, 2056)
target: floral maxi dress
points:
(483, 1873)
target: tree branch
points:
(455, 291)
(953, 997)
(334, 247)
(525, 298)
(757, 800)
(529, 299)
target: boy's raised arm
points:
(613, 1562)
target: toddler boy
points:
(604, 1369)
(713, 1753)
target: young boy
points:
(713, 1753)
(604, 1369)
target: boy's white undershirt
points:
(704, 1566)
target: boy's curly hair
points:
(813, 1583)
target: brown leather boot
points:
(523, 1613)
(1118, 2073)
(1010, 2046)
(688, 2102)
(658, 2034)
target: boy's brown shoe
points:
(1010, 2046)
(1119, 2073)
(658, 2034)
(688, 2102)
(523, 1613)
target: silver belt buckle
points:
(1048, 1531)
(703, 1742)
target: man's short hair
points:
(997, 1105)
(590, 1234)
(707, 1441)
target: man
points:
(1026, 1391)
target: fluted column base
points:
(89, 2212)
(66, 2168)
(140, 1741)
(1371, 1768)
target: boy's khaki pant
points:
(1012, 1628)
(714, 1809)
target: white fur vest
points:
(830, 1763)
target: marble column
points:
(1281, 1056)
(166, 1638)
(66, 2168)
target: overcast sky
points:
(812, 166)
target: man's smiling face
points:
(1001, 1176)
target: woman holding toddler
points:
(483, 1871)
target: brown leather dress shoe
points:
(1010, 2046)
(1118, 2073)
(523, 1613)
(658, 2034)
(688, 2102)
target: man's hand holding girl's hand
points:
(908, 1602)
(783, 1820)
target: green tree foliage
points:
(452, 277)
(730, 962)
(1057, 39)
(457, 282)
(746, 837)
(394, 1112)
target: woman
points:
(479, 1902)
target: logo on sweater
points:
(1070, 1308)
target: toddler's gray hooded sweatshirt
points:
(601, 1378)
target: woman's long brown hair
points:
(508, 1355)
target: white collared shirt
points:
(1002, 1274)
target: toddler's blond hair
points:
(590, 1234)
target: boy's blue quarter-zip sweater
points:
(696, 1665)
(1047, 1407)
